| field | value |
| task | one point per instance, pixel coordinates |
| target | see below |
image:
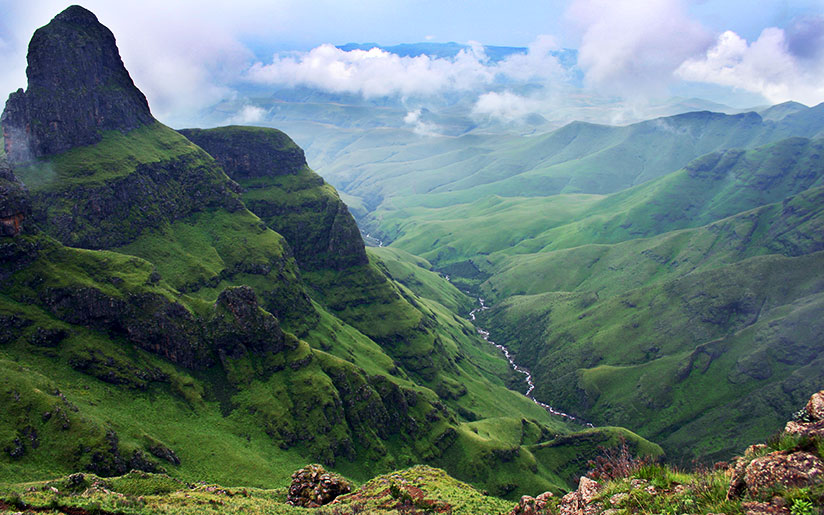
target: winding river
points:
(518, 368)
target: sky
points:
(187, 55)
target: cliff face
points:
(77, 87)
(286, 194)
(14, 201)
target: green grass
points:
(115, 156)
(698, 351)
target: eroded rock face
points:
(249, 152)
(77, 87)
(14, 202)
(240, 325)
(312, 487)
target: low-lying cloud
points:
(377, 73)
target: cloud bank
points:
(778, 65)
(378, 73)
(630, 48)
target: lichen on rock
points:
(313, 486)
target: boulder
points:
(581, 501)
(797, 469)
(312, 487)
(533, 505)
(809, 421)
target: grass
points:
(689, 367)
(117, 155)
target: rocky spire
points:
(77, 87)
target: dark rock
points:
(77, 87)
(16, 450)
(159, 450)
(240, 325)
(312, 487)
(249, 152)
(11, 326)
(108, 461)
(14, 201)
(117, 211)
(44, 337)
(308, 213)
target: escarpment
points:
(286, 194)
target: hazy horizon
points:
(189, 56)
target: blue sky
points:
(188, 54)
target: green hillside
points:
(209, 310)
(709, 188)
(667, 267)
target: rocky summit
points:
(77, 88)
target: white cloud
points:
(632, 48)
(419, 126)
(376, 73)
(248, 114)
(765, 66)
(506, 106)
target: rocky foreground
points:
(783, 476)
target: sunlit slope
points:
(709, 188)
(682, 360)
(577, 158)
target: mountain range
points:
(199, 304)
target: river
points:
(520, 369)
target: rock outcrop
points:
(810, 421)
(250, 152)
(77, 87)
(528, 505)
(286, 194)
(313, 487)
(759, 472)
(580, 501)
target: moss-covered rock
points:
(286, 194)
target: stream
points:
(520, 369)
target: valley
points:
(405, 308)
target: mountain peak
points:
(77, 14)
(77, 88)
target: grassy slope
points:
(578, 158)
(697, 354)
(791, 227)
(233, 420)
(599, 256)
(712, 187)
